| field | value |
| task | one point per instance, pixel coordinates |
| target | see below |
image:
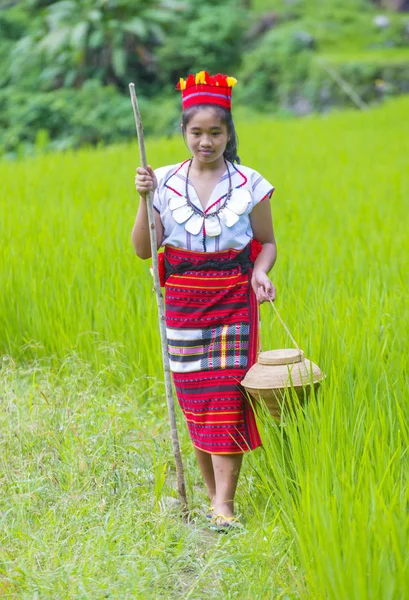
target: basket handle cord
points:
(284, 325)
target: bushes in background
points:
(56, 59)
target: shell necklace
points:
(196, 220)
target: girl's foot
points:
(223, 524)
(224, 508)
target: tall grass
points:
(84, 446)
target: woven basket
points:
(276, 373)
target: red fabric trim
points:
(161, 269)
(255, 249)
(242, 174)
(173, 190)
(254, 331)
(249, 416)
(235, 187)
(206, 99)
(268, 195)
(174, 173)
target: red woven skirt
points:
(212, 331)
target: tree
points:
(208, 37)
(99, 39)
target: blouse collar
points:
(176, 183)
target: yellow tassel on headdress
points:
(200, 77)
(231, 81)
(182, 83)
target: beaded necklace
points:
(197, 219)
(199, 211)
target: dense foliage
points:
(55, 56)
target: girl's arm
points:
(262, 225)
(145, 180)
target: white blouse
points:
(221, 225)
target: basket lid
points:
(270, 377)
(284, 356)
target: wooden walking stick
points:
(161, 311)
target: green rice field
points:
(88, 503)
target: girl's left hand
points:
(262, 287)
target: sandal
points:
(209, 514)
(224, 524)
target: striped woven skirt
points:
(212, 331)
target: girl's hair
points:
(226, 117)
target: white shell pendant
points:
(177, 202)
(228, 217)
(240, 200)
(182, 214)
(213, 227)
(195, 224)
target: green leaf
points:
(119, 61)
(94, 15)
(158, 16)
(70, 77)
(158, 33)
(49, 74)
(53, 41)
(96, 39)
(174, 5)
(79, 34)
(137, 26)
(60, 12)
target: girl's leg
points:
(226, 473)
(206, 467)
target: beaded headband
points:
(203, 88)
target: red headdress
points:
(203, 88)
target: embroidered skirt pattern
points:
(212, 331)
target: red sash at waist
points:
(178, 261)
(205, 295)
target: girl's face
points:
(207, 136)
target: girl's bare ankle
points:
(225, 508)
(212, 497)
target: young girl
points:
(213, 217)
